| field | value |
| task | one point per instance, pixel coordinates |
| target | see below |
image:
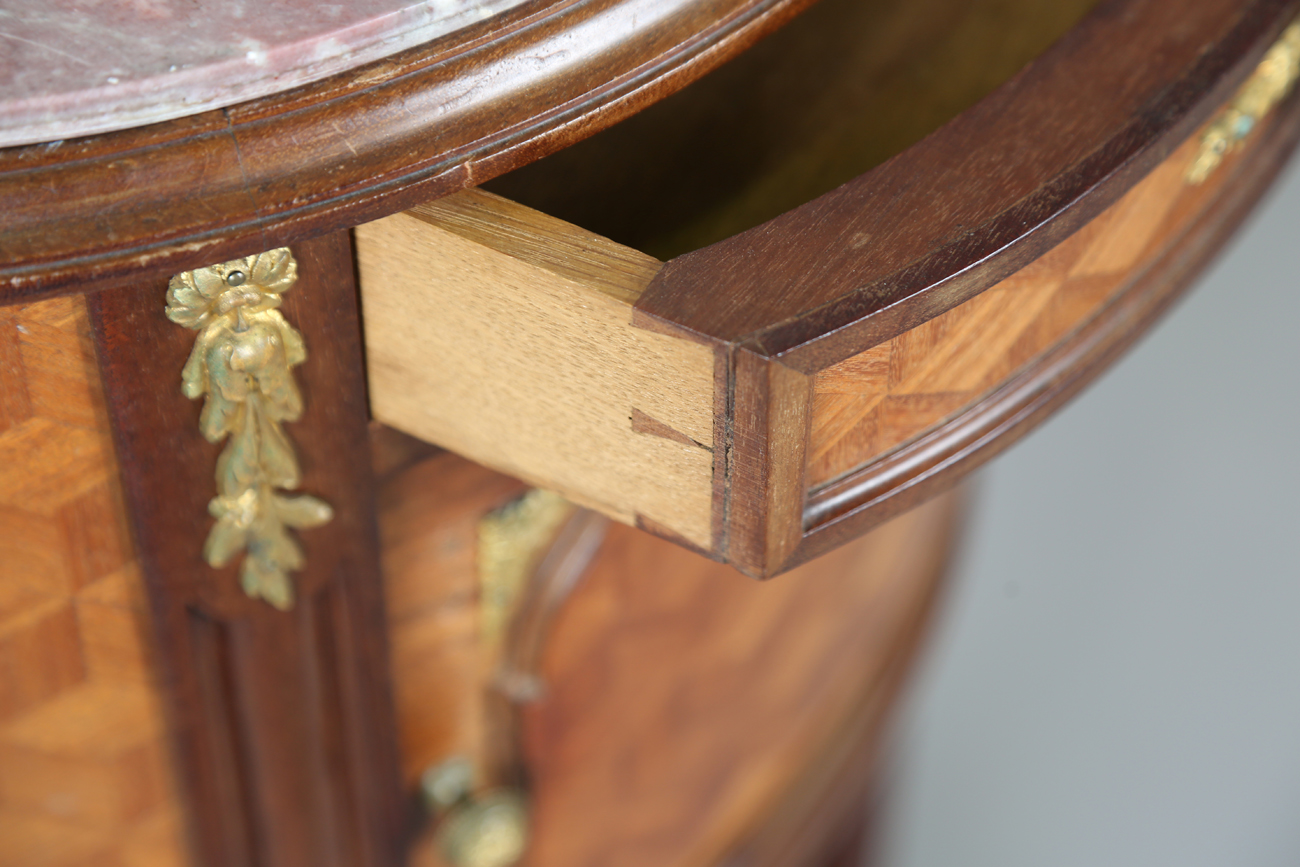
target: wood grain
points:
(85, 770)
(824, 816)
(766, 483)
(506, 336)
(282, 720)
(458, 692)
(284, 724)
(391, 135)
(878, 256)
(902, 420)
(786, 433)
(763, 464)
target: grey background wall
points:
(1115, 677)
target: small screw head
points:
(236, 278)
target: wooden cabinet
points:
(278, 379)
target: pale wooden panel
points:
(85, 775)
(875, 401)
(505, 335)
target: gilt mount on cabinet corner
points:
(1268, 85)
(243, 360)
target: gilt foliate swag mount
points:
(242, 365)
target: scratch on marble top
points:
(77, 68)
(45, 47)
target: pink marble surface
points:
(70, 68)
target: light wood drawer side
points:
(505, 335)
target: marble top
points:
(70, 68)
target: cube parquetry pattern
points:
(884, 397)
(85, 771)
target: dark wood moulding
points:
(102, 210)
(985, 195)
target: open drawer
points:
(784, 389)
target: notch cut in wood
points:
(506, 335)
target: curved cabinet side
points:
(1194, 229)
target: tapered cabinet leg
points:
(275, 659)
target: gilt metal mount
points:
(1268, 85)
(242, 361)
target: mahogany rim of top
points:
(273, 173)
(410, 128)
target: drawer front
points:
(651, 393)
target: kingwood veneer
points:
(757, 347)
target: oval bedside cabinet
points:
(403, 406)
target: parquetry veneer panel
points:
(877, 400)
(85, 771)
(678, 702)
(682, 700)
